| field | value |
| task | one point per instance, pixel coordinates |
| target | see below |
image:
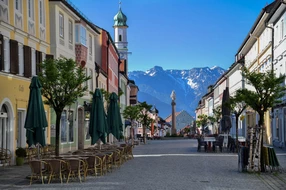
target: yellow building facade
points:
(24, 43)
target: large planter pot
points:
(19, 161)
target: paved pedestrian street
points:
(164, 164)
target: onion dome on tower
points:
(120, 19)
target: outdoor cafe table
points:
(209, 141)
(241, 140)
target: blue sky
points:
(178, 34)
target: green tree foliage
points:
(63, 82)
(187, 130)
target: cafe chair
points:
(94, 164)
(109, 162)
(218, 143)
(76, 168)
(39, 170)
(231, 146)
(58, 169)
(201, 143)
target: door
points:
(81, 135)
(21, 137)
(4, 128)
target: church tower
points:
(120, 33)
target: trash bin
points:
(243, 155)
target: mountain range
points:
(156, 85)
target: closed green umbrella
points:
(36, 121)
(114, 120)
(97, 120)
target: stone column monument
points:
(173, 97)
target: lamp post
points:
(173, 103)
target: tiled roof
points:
(169, 118)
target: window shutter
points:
(27, 61)
(1, 53)
(14, 57)
(38, 61)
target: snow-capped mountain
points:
(156, 85)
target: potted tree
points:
(21, 155)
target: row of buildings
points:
(263, 49)
(33, 30)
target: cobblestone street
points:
(164, 164)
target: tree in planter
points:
(268, 91)
(20, 156)
(63, 82)
(143, 117)
(131, 113)
(237, 106)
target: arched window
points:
(120, 37)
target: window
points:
(82, 35)
(76, 33)
(61, 21)
(41, 12)
(6, 54)
(276, 34)
(70, 32)
(20, 129)
(31, 9)
(282, 29)
(120, 37)
(67, 129)
(18, 5)
(86, 123)
(64, 127)
(91, 80)
(71, 114)
(90, 45)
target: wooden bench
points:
(5, 156)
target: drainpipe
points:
(107, 59)
(97, 72)
(119, 62)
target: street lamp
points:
(86, 106)
(97, 69)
